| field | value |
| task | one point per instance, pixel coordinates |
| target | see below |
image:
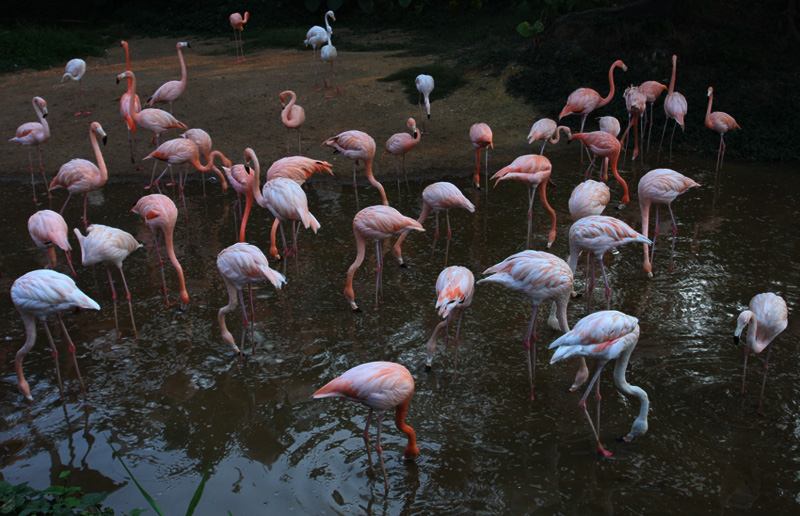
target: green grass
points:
(446, 80)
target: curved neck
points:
(286, 114)
(101, 164)
(131, 97)
(557, 135)
(327, 25)
(168, 231)
(127, 61)
(183, 67)
(411, 450)
(640, 425)
(672, 80)
(607, 99)
(195, 161)
(41, 118)
(708, 111)
(361, 247)
(256, 179)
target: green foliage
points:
(446, 80)
(527, 30)
(22, 500)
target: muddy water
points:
(176, 401)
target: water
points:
(176, 401)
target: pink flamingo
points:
(48, 229)
(455, 287)
(381, 386)
(603, 144)
(606, 336)
(636, 104)
(182, 151)
(328, 54)
(588, 198)
(243, 264)
(159, 212)
(399, 144)
(79, 176)
(652, 90)
(480, 135)
(241, 179)
(35, 134)
(237, 22)
(609, 124)
(203, 141)
(533, 170)
(357, 145)
(375, 223)
(171, 90)
(154, 120)
(286, 201)
(720, 122)
(298, 168)
(767, 316)
(660, 186)
(675, 107)
(424, 84)
(75, 70)
(437, 197)
(125, 107)
(317, 36)
(39, 294)
(103, 244)
(293, 117)
(540, 276)
(547, 130)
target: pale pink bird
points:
(35, 134)
(38, 294)
(293, 117)
(585, 100)
(159, 212)
(675, 107)
(237, 22)
(154, 120)
(652, 90)
(125, 107)
(533, 170)
(604, 145)
(547, 130)
(399, 144)
(357, 145)
(480, 135)
(243, 264)
(241, 179)
(588, 198)
(609, 124)
(375, 223)
(424, 84)
(455, 287)
(75, 70)
(103, 244)
(328, 54)
(298, 168)
(767, 316)
(183, 151)
(171, 90)
(317, 36)
(79, 176)
(381, 386)
(204, 144)
(720, 122)
(437, 197)
(286, 201)
(606, 336)
(542, 277)
(660, 186)
(48, 229)
(636, 104)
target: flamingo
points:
(480, 135)
(540, 276)
(606, 336)
(171, 90)
(720, 122)
(455, 287)
(293, 117)
(767, 317)
(79, 176)
(203, 141)
(75, 70)
(237, 22)
(35, 133)
(399, 144)
(636, 104)
(381, 386)
(534, 170)
(660, 186)
(375, 223)
(328, 54)
(103, 244)
(38, 294)
(124, 106)
(437, 197)
(588, 198)
(48, 229)
(242, 264)
(159, 212)
(316, 36)
(287, 201)
(652, 90)
(182, 151)
(675, 107)
(424, 85)
(241, 179)
(603, 144)
(609, 124)
(547, 130)
(298, 168)
(154, 120)
(357, 145)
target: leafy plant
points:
(23, 500)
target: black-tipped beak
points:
(188, 45)
(429, 116)
(357, 310)
(117, 80)
(44, 115)
(105, 139)
(427, 369)
(403, 265)
(736, 339)
(415, 134)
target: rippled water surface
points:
(176, 400)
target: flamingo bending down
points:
(547, 130)
(317, 36)
(675, 107)
(237, 22)
(375, 223)
(480, 135)
(79, 176)
(183, 151)
(357, 145)
(381, 386)
(603, 144)
(287, 201)
(35, 133)
(540, 276)
(660, 186)
(159, 212)
(124, 106)
(588, 198)
(154, 120)
(437, 197)
(424, 84)
(652, 90)
(533, 170)
(48, 229)
(241, 179)
(298, 168)
(328, 54)
(103, 244)
(606, 336)
(720, 122)
(767, 316)
(636, 104)
(293, 117)
(75, 70)
(203, 141)
(171, 90)
(38, 294)
(455, 287)
(399, 144)
(242, 264)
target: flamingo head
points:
(710, 91)
(98, 129)
(42, 105)
(124, 75)
(183, 44)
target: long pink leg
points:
(161, 265)
(744, 374)
(608, 288)
(379, 449)
(379, 275)
(130, 307)
(674, 237)
(41, 169)
(435, 235)
(72, 352)
(33, 179)
(449, 234)
(245, 322)
(252, 317)
(582, 404)
(55, 356)
(458, 329)
(366, 441)
(764, 381)
(113, 298)
(355, 183)
(530, 342)
(531, 194)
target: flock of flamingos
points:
(381, 386)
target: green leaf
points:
(93, 499)
(527, 30)
(146, 495)
(56, 490)
(63, 474)
(136, 512)
(199, 492)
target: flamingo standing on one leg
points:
(675, 107)
(124, 106)
(170, 91)
(636, 103)
(660, 186)
(293, 117)
(357, 145)
(156, 121)
(547, 130)
(480, 135)
(242, 264)
(35, 134)
(38, 294)
(603, 144)
(48, 229)
(424, 85)
(455, 287)
(399, 144)
(720, 122)
(652, 90)
(588, 198)
(317, 36)
(75, 70)
(241, 179)
(183, 151)
(375, 223)
(328, 54)
(103, 244)
(298, 168)
(381, 386)
(237, 22)
(605, 336)
(767, 316)
(286, 201)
